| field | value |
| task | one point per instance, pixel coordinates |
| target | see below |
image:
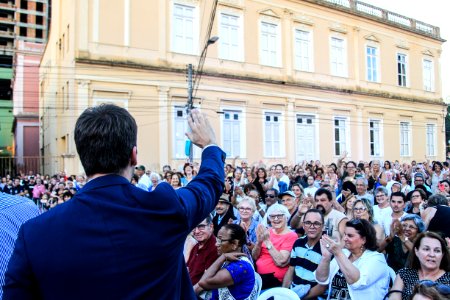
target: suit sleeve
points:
(20, 282)
(200, 196)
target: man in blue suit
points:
(113, 240)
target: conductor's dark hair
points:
(105, 136)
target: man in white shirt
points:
(144, 181)
(311, 190)
(398, 202)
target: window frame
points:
(347, 135)
(406, 63)
(310, 46)
(434, 140)
(377, 63)
(281, 134)
(242, 133)
(278, 58)
(197, 151)
(380, 138)
(344, 56)
(195, 29)
(240, 52)
(409, 136)
(431, 74)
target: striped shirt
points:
(14, 211)
(305, 259)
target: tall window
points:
(269, 44)
(230, 38)
(338, 60)
(428, 75)
(372, 64)
(183, 29)
(431, 139)
(180, 127)
(405, 139)
(340, 135)
(401, 69)
(303, 51)
(272, 135)
(232, 133)
(375, 137)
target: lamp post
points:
(193, 86)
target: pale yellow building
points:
(288, 80)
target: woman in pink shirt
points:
(38, 190)
(273, 247)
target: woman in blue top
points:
(232, 275)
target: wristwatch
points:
(269, 247)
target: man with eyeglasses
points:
(271, 198)
(305, 257)
(204, 253)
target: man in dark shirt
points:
(17, 188)
(204, 252)
(224, 212)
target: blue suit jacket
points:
(114, 241)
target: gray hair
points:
(364, 180)
(276, 207)
(248, 200)
(437, 199)
(381, 189)
(417, 220)
(155, 175)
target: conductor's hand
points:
(201, 133)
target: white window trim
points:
(196, 30)
(377, 47)
(409, 138)
(243, 136)
(347, 137)
(406, 69)
(197, 150)
(433, 83)
(434, 140)
(241, 34)
(316, 132)
(345, 49)
(282, 133)
(311, 48)
(381, 137)
(278, 63)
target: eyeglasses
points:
(441, 288)
(313, 224)
(409, 227)
(248, 209)
(273, 217)
(359, 208)
(200, 227)
(415, 196)
(270, 196)
(219, 241)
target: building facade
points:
(23, 34)
(287, 80)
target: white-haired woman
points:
(273, 247)
(246, 209)
(155, 179)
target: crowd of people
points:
(345, 230)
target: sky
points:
(433, 12)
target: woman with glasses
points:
(246, 209)
(401, 240)
(429, 260)
(418, 198)
(273, 247)
(232, 275)
(357, 270)
(362, 209)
